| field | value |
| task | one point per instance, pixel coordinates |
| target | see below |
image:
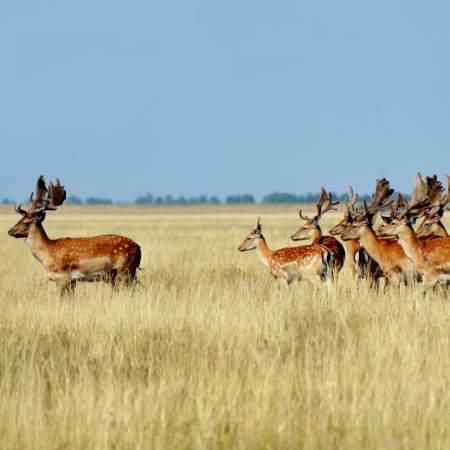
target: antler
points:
(352, 212)
(330, 204)
(379, 200)
(419, 199)
(381, 197)
(55, 197)
(395, 206)
(320, 202)
(350, 203)
(434, 189)
(35, 203)
(322, 198)
(41, 190)
(437, 200)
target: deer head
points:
(404, 213)
(43, 200)
(313, 223)
(349, 215)
(432, 225)
(366, 218)
(252, 239)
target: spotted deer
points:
(311, 230)
(362, 265)
(309, 262)
(431, 257)
(68, 260)
(387, 253)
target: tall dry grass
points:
(210, 353)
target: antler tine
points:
(57, 195)
(19, 210)
(41, 190)
(350, 202)
(322, 198)
(352, 197)
(303, 217)
(395, 206)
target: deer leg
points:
(428, 283)
(316, 280)
(67, 287)
(123, 277)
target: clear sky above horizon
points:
(118, 99)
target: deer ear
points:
(258, 226)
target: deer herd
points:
(395, 251)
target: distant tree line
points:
(149, 199)
(284, 197)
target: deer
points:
(311, 230)
(429, 228)
(68, 260)
(431, 257)
(432, 224)
(363, 266)
(387, 253)
(310, 262)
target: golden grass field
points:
(209, 353)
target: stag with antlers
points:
(68, 260)
(431, 257)
(387, 253)
(310, 262)
(363, 266)
(311, 230)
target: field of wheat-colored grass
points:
(209, 352)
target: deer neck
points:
(315, 233)
(441, 231)
(353, 246)
(38, 241)
(411, 244)
(264, 251)
(370, 242)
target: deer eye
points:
(427, 224)
(305, 228)
(249, 238)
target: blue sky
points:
(122, 98)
